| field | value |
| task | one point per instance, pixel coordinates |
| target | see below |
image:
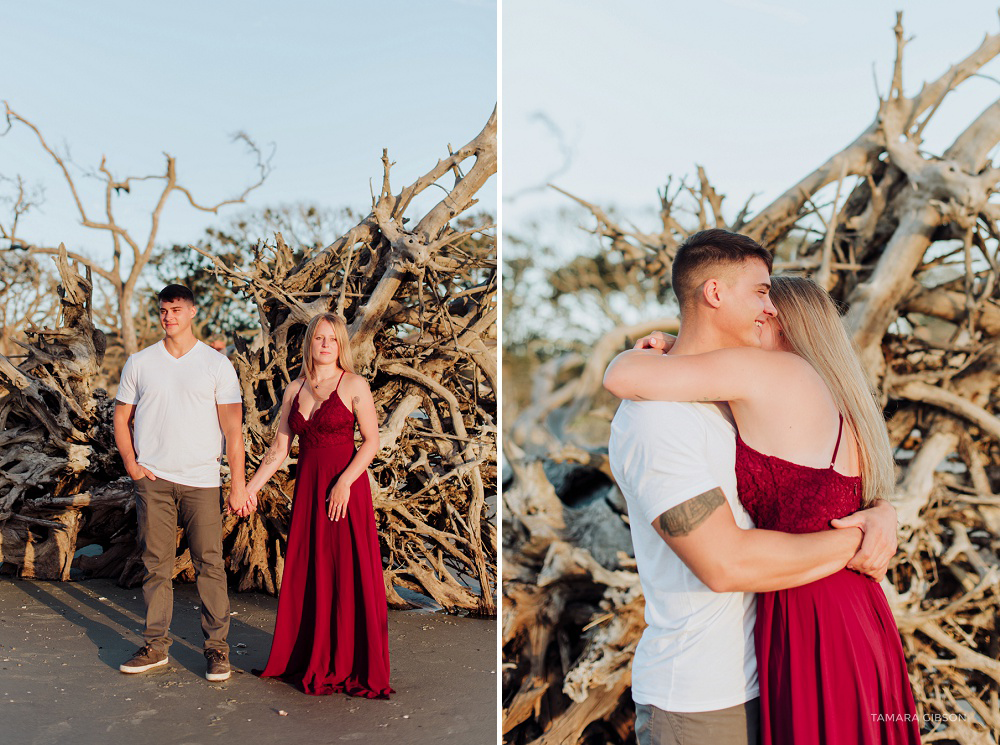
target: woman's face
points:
(772, 337)
(324, 344)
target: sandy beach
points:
(61, 644)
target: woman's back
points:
(784, 495)
(828, 653)
(790, 414)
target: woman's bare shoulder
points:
(796, 378)
(786, 359)
(753, 358)
(784, 366)
(292, 389)
(354, 382)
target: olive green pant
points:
(159, 503)
(737, 725)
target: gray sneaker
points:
(218, 665)
(144, 659)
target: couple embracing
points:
(753, 457)
(179, 405)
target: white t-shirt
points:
(176, 431)
(697, 651)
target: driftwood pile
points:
(907, 241)
(420, 302)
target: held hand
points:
(340, 494)
(879, 545)
(239, 502)
(137, 473)
(656, 340)
(252, 496)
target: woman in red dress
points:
(811, 448)
(331, 634)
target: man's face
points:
(746, 303)
(176, 317)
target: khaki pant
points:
(158, 504)
(737, 725)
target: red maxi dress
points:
(331, 634)
(829, 657)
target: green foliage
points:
(306, 228)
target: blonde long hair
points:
(813, 328)
(345, 358)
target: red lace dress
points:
(331, 634)
(829, 657)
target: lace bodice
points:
(332, 423)
(792, 498)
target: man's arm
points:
(879, 524)
(703, 533)
(124, 414)
(231, 422)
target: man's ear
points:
(712, 292)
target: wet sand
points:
(61, 644)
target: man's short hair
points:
(706, 251)
(171, 293)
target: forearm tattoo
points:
(685, 517)
(271, 455)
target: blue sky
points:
(328, 83)
(760, 92)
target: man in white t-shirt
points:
(178, 406)
(694, 675)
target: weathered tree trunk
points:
(572, 606)
(421, 305)
(53, 434)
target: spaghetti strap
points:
(342, 372)
(840, 433)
